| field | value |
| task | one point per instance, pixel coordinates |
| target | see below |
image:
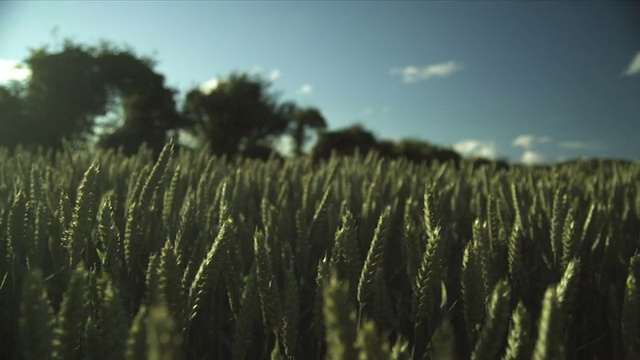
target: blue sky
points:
(525, 81)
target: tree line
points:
(72, 89)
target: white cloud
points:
(487, 151)
(465, 146)
(531, 144)
(471, 147)
(305, 89)
(274, 74)
(13, 70)
(412, 74)
(208, 86)
(634, 66)
(527, 141)
(532, 157)
(524, 141)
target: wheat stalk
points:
(549, 344)
(163, 339)
(36, 318)
(345, 257)
(208, 273)
(370, 343)
(83, 217)
(290, 312)
(340, 320)
(137, 340)
(631, 317)
(249, 311)
(519, 342)
(489, 345)
(72, 316)
(373, 263)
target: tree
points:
(386, 148)
(347, 140)
(64, 94)
(14, 124)
(69, 88)
(239, 114)
(301, 120)
(418, 151)
(414, 150)
(344, 142)
(148, 105)
(447, 154)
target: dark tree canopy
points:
(239, 114)
(148, 105)
(72, 87)
(418, 150)
(344, 142)
(68, 89)
(301, 120)
(14, 123)
(347, 140)
(64, 94)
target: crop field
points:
(189, 256)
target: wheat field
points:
(104, 256)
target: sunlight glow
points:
(13, 70)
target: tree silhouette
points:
(418, 150)
(387, 148)
(238, 115)
(344, 142)
(64, 94)
(447, 154)
(347, 140)
(302, 120)
(69, 88)
(148, 105)
(14, 123)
